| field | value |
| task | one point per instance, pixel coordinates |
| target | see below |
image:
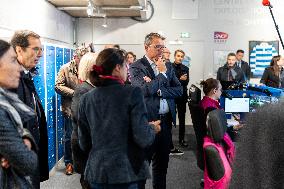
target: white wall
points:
(243, 20)
(39, 16)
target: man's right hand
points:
(160, 64)
(157, 126)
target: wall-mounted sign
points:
(220, 37)
(184, 35)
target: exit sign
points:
(184, 35)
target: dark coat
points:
(170, 87)
(180, 70)
(22, 160)
(79, 156)
(37, 126)
(114, 130)
(222, 74)
(270, 79)
(246, 69)
(260, 150)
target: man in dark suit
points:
(242, 64)
(28, 48)
(160, 87)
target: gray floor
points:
(183, 172)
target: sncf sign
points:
(220, 35)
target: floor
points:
(183, 172)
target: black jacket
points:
(79, 156)
(222, 74)
(180, 70)
(38, 125)
(270, 79)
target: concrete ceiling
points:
(103, 8)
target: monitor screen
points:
(237, 105)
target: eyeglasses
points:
(158, 46)
(37, 49)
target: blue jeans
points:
(67, 140)
(132, 185)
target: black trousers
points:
(181, 109)
(160, 153)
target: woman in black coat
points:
(80, 157)
(113, 126)
(273, 76)
(18, 159)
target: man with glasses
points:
(160, 87)
(66, 82)
(27, 45)
(166, 55)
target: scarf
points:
(16, 108)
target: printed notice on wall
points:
(185, 9)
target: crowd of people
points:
(111, 142)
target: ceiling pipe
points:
(103, 8)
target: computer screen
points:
(237, 105)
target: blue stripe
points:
(264, 55)
(261, 66)
(257, 60)
(266, 49)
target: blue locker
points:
(71, 54)
(60, 126)
(51, 113)
(67, 55)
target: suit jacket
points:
(114, 130)
(37, 126)
(246, 69)
(170, 87)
